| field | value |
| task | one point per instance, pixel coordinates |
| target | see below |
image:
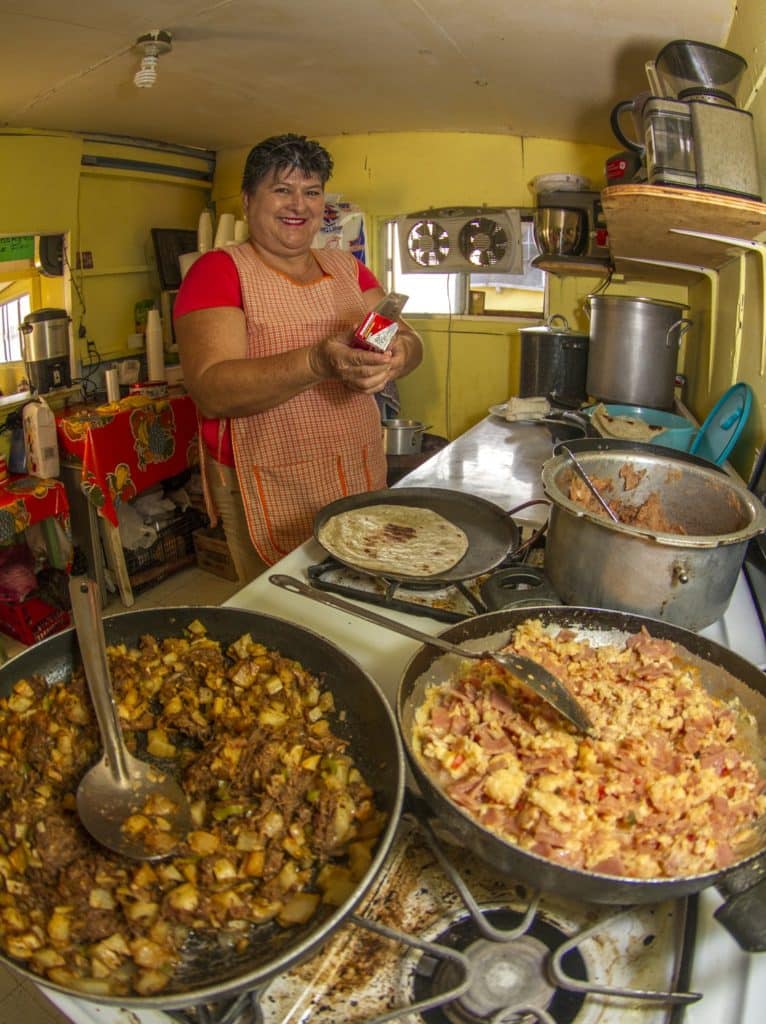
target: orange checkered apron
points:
(323, 443)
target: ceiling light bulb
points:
(152, 45)
(146, 75)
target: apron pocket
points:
(282, 501)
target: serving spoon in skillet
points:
(530, 672)
(127, 805)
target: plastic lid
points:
(721, 430)
(41, 315)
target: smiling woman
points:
(264, 328)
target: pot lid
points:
(549, 328)
(41, 315)
(722, 428)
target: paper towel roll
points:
(112, 380)
(225, 231)
(155, 353)
(240, 231)
(205, 231)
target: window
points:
(499, 294)
(12, 314)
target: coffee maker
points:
(692, 134)
(705, 79)
(45, 347)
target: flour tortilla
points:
(630, 428)
(403, 539)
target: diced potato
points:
(254, 863)
(184, 897)
(148, 954)
(298, 908)
(149, 982)
(141, 909)
(224, 870)
(360, 858)
(336, 884)
(44, 959)
(158, 744)
(101, 899)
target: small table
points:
(26, 500)
(124, 448)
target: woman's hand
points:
(334, 358)
(362, 369)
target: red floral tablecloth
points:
(25, 500)
(127, 446)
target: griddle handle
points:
(743, 915)
(299, 587)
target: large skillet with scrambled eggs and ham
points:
(661, 799)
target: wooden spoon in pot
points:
(127, 805)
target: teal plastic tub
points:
(679, 432)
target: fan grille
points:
(483, 242)
(428, 243)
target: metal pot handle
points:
(557, 316)
(743, 914)
(683, 326)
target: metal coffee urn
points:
(45, 347)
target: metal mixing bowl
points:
(559, 231)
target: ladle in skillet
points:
(537, 678)
(121, 786)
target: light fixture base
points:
(155, 43)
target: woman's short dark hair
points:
(285, 152)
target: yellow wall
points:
(469, 363)
(50, 185)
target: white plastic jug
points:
(40, 439)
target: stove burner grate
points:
(503, 975)
(515, 581)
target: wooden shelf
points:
(639, 219)
(572, 266)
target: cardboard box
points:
(213, 553)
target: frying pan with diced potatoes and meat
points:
(207, 973)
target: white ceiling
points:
(243, 69)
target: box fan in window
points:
(461, 239)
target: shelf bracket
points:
(753, 246)
(712, 276)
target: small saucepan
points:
(403, 437)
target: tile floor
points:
(20, 1000)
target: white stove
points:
(362, 975)
(358, 976)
